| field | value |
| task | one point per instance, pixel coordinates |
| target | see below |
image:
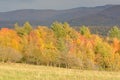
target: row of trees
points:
(61, 46)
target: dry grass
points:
(10, 71)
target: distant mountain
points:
(107, 17)
(100, 15)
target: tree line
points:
(60, 45)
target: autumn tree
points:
(9, 38)
(60, 45)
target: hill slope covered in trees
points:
(107, 15)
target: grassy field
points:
(10, 71)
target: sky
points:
(8, 5)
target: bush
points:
(8, 54)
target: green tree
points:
(27, 27)
(58, 29)
(103, 53)
(114, 32)
(85, 31)
(23, 30)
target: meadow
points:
(15, 71)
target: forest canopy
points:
(60, 45)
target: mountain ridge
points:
(76, 16)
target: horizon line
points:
(63, 9)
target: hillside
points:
(10, 71)
(107, 15)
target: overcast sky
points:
(7, 5)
